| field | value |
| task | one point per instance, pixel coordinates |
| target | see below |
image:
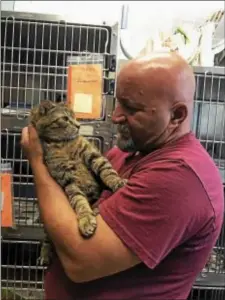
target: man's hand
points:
(31, 144)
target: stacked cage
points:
(34, 56)
(35, 50)
(209, 127)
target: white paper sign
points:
(82, 103)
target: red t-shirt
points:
(170, 214)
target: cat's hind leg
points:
(62, 170)
(46, 251)
(87, 222)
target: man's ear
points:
(179, 113)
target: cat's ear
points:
(45, 106)
(62, 104)
(33, 111)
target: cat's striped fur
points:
(76, 165)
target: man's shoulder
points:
(111, 152)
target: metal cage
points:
(21, 278)
(34, 61)
(34, 58)
(209, 127)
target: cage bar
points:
(199, 293)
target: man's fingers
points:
(32, 133)
(25, 131)
(31, 144)
(24, 136)
(28, 135)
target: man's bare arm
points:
(83, 260)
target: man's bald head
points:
(160, 87)
(162, 74)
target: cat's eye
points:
(65, 118)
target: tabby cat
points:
(76, 165)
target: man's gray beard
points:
(125, 144)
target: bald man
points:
(155, 234)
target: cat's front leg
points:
(87, 222)
(61, 169)
(114, 182)
(102, 167)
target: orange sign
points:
(6, 200)
(84, 89)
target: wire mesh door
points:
(34, 59)
(21, 278)
(209, 123)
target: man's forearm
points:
(57, 215)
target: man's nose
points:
(118, 116)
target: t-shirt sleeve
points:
(152, 212)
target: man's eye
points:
(129, 109)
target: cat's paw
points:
(119, 184)
(87, 225)
(43, 260)
(45, 255)
(95, 211)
